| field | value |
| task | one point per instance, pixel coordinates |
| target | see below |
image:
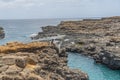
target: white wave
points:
(50, 38)
(33, 35)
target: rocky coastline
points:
(97, 38)
(36, 61)
(2, 34)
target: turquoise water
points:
(20, 30)
(95, 71)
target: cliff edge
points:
(98, 38)
(35, 61)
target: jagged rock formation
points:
(35, 61)
(90, 37)
(2, 34)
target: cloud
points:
(7, 0)
(57, 8)
(48, 3)
(19, 3)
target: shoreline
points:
(94, 38)
(98, 38)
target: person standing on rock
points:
(56, 44)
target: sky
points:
(30, 9)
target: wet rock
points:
(109, 59)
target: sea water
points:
(20, 30)
(95, 71)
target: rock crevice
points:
(35, 61)
(89, 37)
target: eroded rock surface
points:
(90, 37)
(35, 61)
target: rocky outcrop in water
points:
(2, 34)
(35, 61)
(109, 58)
(90, 37)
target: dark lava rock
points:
(109, 59)
(2, 34)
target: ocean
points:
(20, 30)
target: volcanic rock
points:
(35, 61)
(2, 34)
(89, 37)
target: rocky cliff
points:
(2, 34)
(98, 38)
(35, 61)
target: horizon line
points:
(99, 17)
(50, 18)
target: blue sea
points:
(20, 30)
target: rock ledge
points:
(35, 61)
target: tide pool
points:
(95, 71)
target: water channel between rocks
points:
(95, 71)
(19, 30)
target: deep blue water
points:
(20, 30)
(95, 71)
